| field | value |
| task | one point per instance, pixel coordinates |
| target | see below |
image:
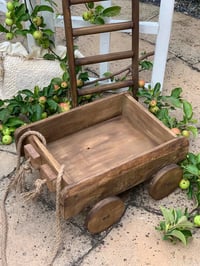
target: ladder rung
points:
(103, 58)
(103, 28)
(105, 87)
(75, 2)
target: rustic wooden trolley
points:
(107, 146)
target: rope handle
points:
(18, 178)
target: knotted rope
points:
(18, 181)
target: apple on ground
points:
(7, 139)
(184, 184)
(185, 133)
(197, 220)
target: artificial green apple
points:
(184, 184)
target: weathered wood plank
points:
(60, 125)
(31, 153)
(79, 195)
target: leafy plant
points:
(164, 108)
(191, 172)
(16, 16)
(97, 14)
(175, 226)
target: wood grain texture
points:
(165, 181)
(104, 214)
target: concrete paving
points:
(134, 240)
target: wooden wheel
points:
(104, 214)
(165, 181)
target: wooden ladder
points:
(73, 62)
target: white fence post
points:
(162, 41)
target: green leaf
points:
(99, 21)
(184, 223)
(179, 235)
(1, 103)
(90, 5)
(198, 158)
(173, 101)
(37, 113)
(187, 108)
(192, 169)
(111, 11)
(56, 80)
(167, 214)
(49, 57)
(40, 8)
(146, 65)
(48, 32)
(3, 29)
(176, 92)
(22, 32)
(52, 104)
(194, 130)
(4, 115)
(20, 11)
(156, 90)
(83, 76)
(63, 66)
(191, 157)
(14, 122)
(98, 9)
(65, 76)
(27, 93)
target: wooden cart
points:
(107, 147)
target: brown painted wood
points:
(103, 58)
(31, 153)
(105, 87)
(102, 28)
(104, 214)
(47, 173)
(165, 181)
(144, 121)
(61, 125)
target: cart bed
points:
(100, 148)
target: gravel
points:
(188, 7)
